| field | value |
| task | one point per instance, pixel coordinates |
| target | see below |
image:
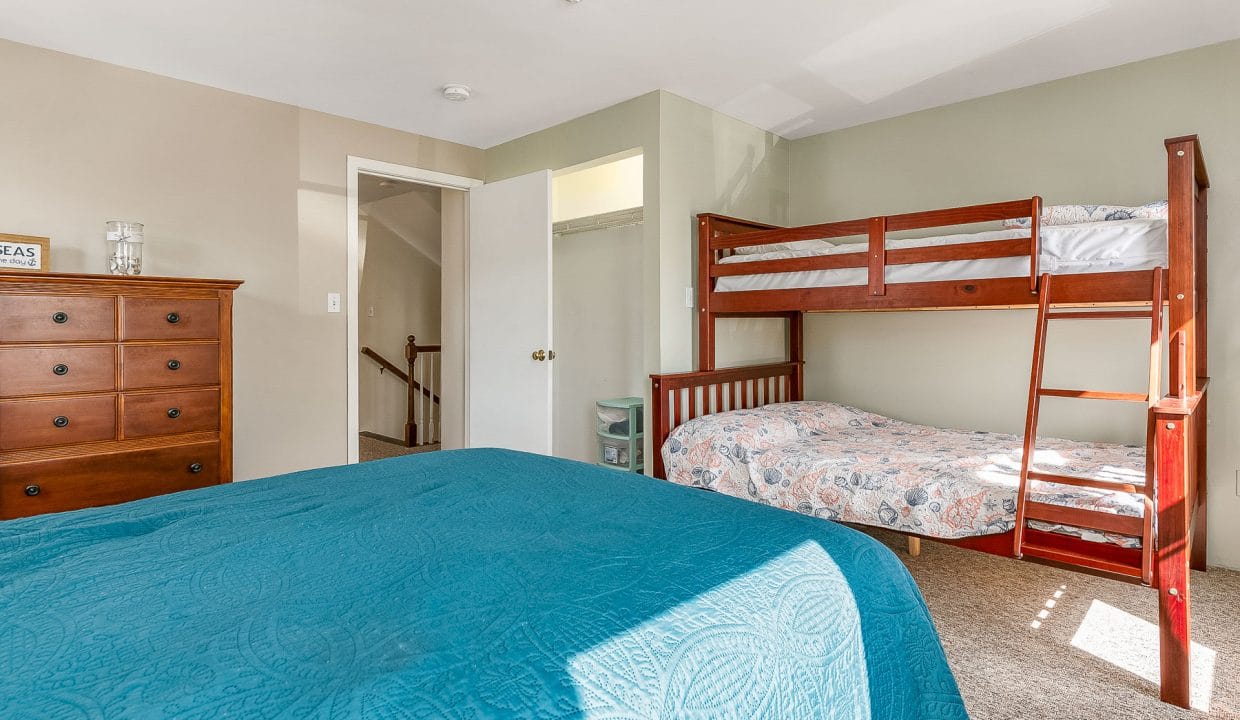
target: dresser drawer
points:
(55, 485)
(56, 421)
(169, 413)
(56, 318)
(169, 319)
(155, 366)
(48, 370)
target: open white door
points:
(510, 314)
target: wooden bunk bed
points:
(1174, 532)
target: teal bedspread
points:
(470, 584)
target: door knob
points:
(539, 355)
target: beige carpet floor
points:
(374, 449)
(1028, 641)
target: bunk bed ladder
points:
(1027, 510)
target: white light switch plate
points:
(333, 302)
(689, 298)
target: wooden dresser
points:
(112, 389)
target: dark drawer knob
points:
(195, 468)
(60, 369)
(174, 318)
(60, 421)
(60, 318)
(32, 490)
(174, 413)
(174, 364)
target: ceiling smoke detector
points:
(456, 92)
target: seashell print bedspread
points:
(841, 463)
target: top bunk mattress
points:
(1092, 247)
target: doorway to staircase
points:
(400, 409)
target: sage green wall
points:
(710, 162)
(619, 128)
(1094, 138)
(696, 160)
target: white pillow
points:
(816, 245)
(1073, 214)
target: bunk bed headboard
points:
(676, 399)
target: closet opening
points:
(597, 214)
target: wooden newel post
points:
(411, 424)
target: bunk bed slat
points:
(1076, 481)
(1068, 557)
(1079, 517)
(1100, 315)
(1095, 395)
(821, 231)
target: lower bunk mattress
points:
(841, 463)
(460, 585)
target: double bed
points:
(841, 463)
(460, 584)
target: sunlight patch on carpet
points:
(1131, 643)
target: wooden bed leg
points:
(1174, 628)
(914, 545)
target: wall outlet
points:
(689, 298)
(370, 311)
(333, 302)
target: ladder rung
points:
(1071, 558)
(1076, 481)
(1079, 517)
(1102, 315)
(1094, 395)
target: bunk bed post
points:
(1035, 243)
(1174, 623)
(796, 354)
(706, 320)
(1179, 425)
(658, 423)
(1197, 557)
(1182, 181)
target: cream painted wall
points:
(1094, 138)
(454, 236)
(228, 186)
(598, 331)
(402, 285)
(605, 188)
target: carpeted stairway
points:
(370, 448)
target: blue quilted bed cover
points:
(468, 584)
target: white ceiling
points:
(796, 67)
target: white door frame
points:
(357, 166)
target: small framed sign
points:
(25, 253)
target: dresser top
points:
(27, 279)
